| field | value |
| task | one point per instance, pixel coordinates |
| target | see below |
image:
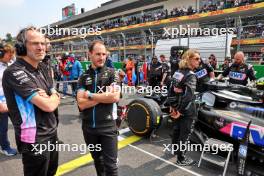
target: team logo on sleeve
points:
(21, 76)
(201, 73)
(178, 76)
(88, 81)
(105, 75)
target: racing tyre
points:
(143, 116)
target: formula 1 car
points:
(223, 113)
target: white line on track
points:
(120, 137)
(166, 161)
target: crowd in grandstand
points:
(175, 12)
(251, 27)
(253, 31)
(163, 14)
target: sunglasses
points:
(196, 58)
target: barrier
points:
(85, 65)
(118, 65)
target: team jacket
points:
(186, 81)
(20, 84)
(239, 74)
(103, 114)
(202, 73)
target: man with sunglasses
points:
(204, 73)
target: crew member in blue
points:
(6, 54)
(204, 73)
(239, 72)
(75, 68)
(31, 101)
(97, 97)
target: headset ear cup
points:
(2, 53)
(20, 49)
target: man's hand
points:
(114, 88)
(3, 108)
(212, 80)
(252, 84)
(219, 77)
(42, 93)
(174, 113)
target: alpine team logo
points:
(256, 133)
(201, 73)
(237, 75)
(178, 76)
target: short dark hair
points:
(162, 55)
(91, 46)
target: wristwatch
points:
(54, 91)
(89, 94)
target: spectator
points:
(154, 75)
(130, 67)
(226, 64)
(109, 62)
(142, 70)
(6, 54)
(75, 69)
(166, 71)
(65, 73)
(213, 61)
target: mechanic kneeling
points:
(183, 110)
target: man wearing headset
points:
(31, 101)
(6, 54)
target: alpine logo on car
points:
(256, 133)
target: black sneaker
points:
(186, 162)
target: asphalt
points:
(144, 157)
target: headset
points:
(2, 51)
(20, 45)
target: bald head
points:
(239, 57)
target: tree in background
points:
(9, 39)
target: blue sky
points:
(16, 14)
